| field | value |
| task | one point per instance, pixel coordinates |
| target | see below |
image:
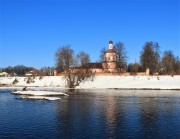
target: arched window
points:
(111, 58)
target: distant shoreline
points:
(18, 88)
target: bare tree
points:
(150, 57)
(121, 56)
(168, 62)
(83, 58)
(134, 68)
(48, 71)
(177, 65)
(64, 61)
(74, 68)
(65, 57)
(102, 52)
(84, 71)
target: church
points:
(110, 59)
(109, 65)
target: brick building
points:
(110, 59)
(107, 66)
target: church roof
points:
(110, 42)
(93, 65)
(89, 66)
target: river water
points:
(96, 114)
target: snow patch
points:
(40, 93)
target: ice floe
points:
(39, 98)
(39, 93)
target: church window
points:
(111, 58)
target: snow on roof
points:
(28, 74)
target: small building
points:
(34, 73)
(4, 74)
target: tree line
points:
(150, 57)
(21, 70)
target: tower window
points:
(111, 58)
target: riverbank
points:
(97, 82)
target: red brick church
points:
(108, 65)
(110, 59)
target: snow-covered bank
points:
(45, 81)
(133, 82)
(98, 82)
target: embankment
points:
(97, 82)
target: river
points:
(96, 114)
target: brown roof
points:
(89, 66)
(93, 65)
(110, 51)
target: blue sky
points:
(32, 30)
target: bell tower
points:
(110, 44)
(110, 59)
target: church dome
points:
(110, 42)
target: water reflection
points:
(111, 115)
(94, 114)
